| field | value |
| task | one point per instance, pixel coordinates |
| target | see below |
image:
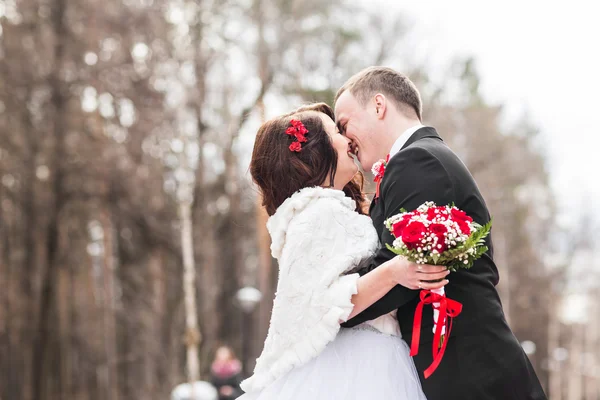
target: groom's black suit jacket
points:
(483, 359)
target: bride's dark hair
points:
(279, 172)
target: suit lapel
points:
(375, 209)
(425, 132)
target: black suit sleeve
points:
(412, 178)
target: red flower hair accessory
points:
(299, 131)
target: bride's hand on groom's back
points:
(418, 276)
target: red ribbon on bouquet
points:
(448, 309)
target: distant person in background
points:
(226, 374)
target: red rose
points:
(399, 226)
(441, 242)
(431, 214)
(443, 213)
(436, 212)
(459, 215)
(438, 229)
(296, 146)
(412, 234)
(291, 130)
(464, 227)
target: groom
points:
(379, 110)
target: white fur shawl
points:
(316, 237)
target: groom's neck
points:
(396, 126)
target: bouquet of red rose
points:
(437, 235)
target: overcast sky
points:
(537, 56)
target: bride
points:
(320, 236)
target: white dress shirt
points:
(401, 141)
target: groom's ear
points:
(380, 104)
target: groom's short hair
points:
(396, 86)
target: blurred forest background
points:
(122, 121)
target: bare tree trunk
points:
(575, 363)
(44, 333)
(208, 269)
(555, 386)
(29, 274)
(10, 377)
(110, 335)
(264, 251)
(264, 270)
(189, 287)
(592, 384)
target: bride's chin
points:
(351, 174)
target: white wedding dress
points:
(319, 239)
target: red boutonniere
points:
(378, 171)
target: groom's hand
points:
(418, 276)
